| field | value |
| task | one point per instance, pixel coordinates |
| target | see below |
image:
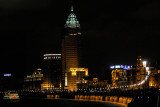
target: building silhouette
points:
(52, 72)
(33, 81)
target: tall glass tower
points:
(71, 51)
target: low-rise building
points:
(95, 83)
(75, 79)
(33, 81)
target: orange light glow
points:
(74, 70)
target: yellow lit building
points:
(119, 77)
(152, 82)
(76, 78)
(139, 73)
(154, 79)
(72, 70)
(136, 75)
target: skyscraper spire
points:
(71, 8)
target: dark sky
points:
(115, 31)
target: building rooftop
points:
(52, 55)
(72, 21)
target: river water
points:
(42, 102)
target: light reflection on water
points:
(50, 102)
(30, 102)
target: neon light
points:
(112, 67)
(120, 66)
(7, 75)
(14, 96)
(117, 66)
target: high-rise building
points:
(71, 53)
(71, 43)
(52, 72)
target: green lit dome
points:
(72, 21)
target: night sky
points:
(115, 32)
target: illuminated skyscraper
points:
(71, 43)
(71, 51)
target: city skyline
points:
(80, 53)
(126, 33)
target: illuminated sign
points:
(7, 75)
(120, 67)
